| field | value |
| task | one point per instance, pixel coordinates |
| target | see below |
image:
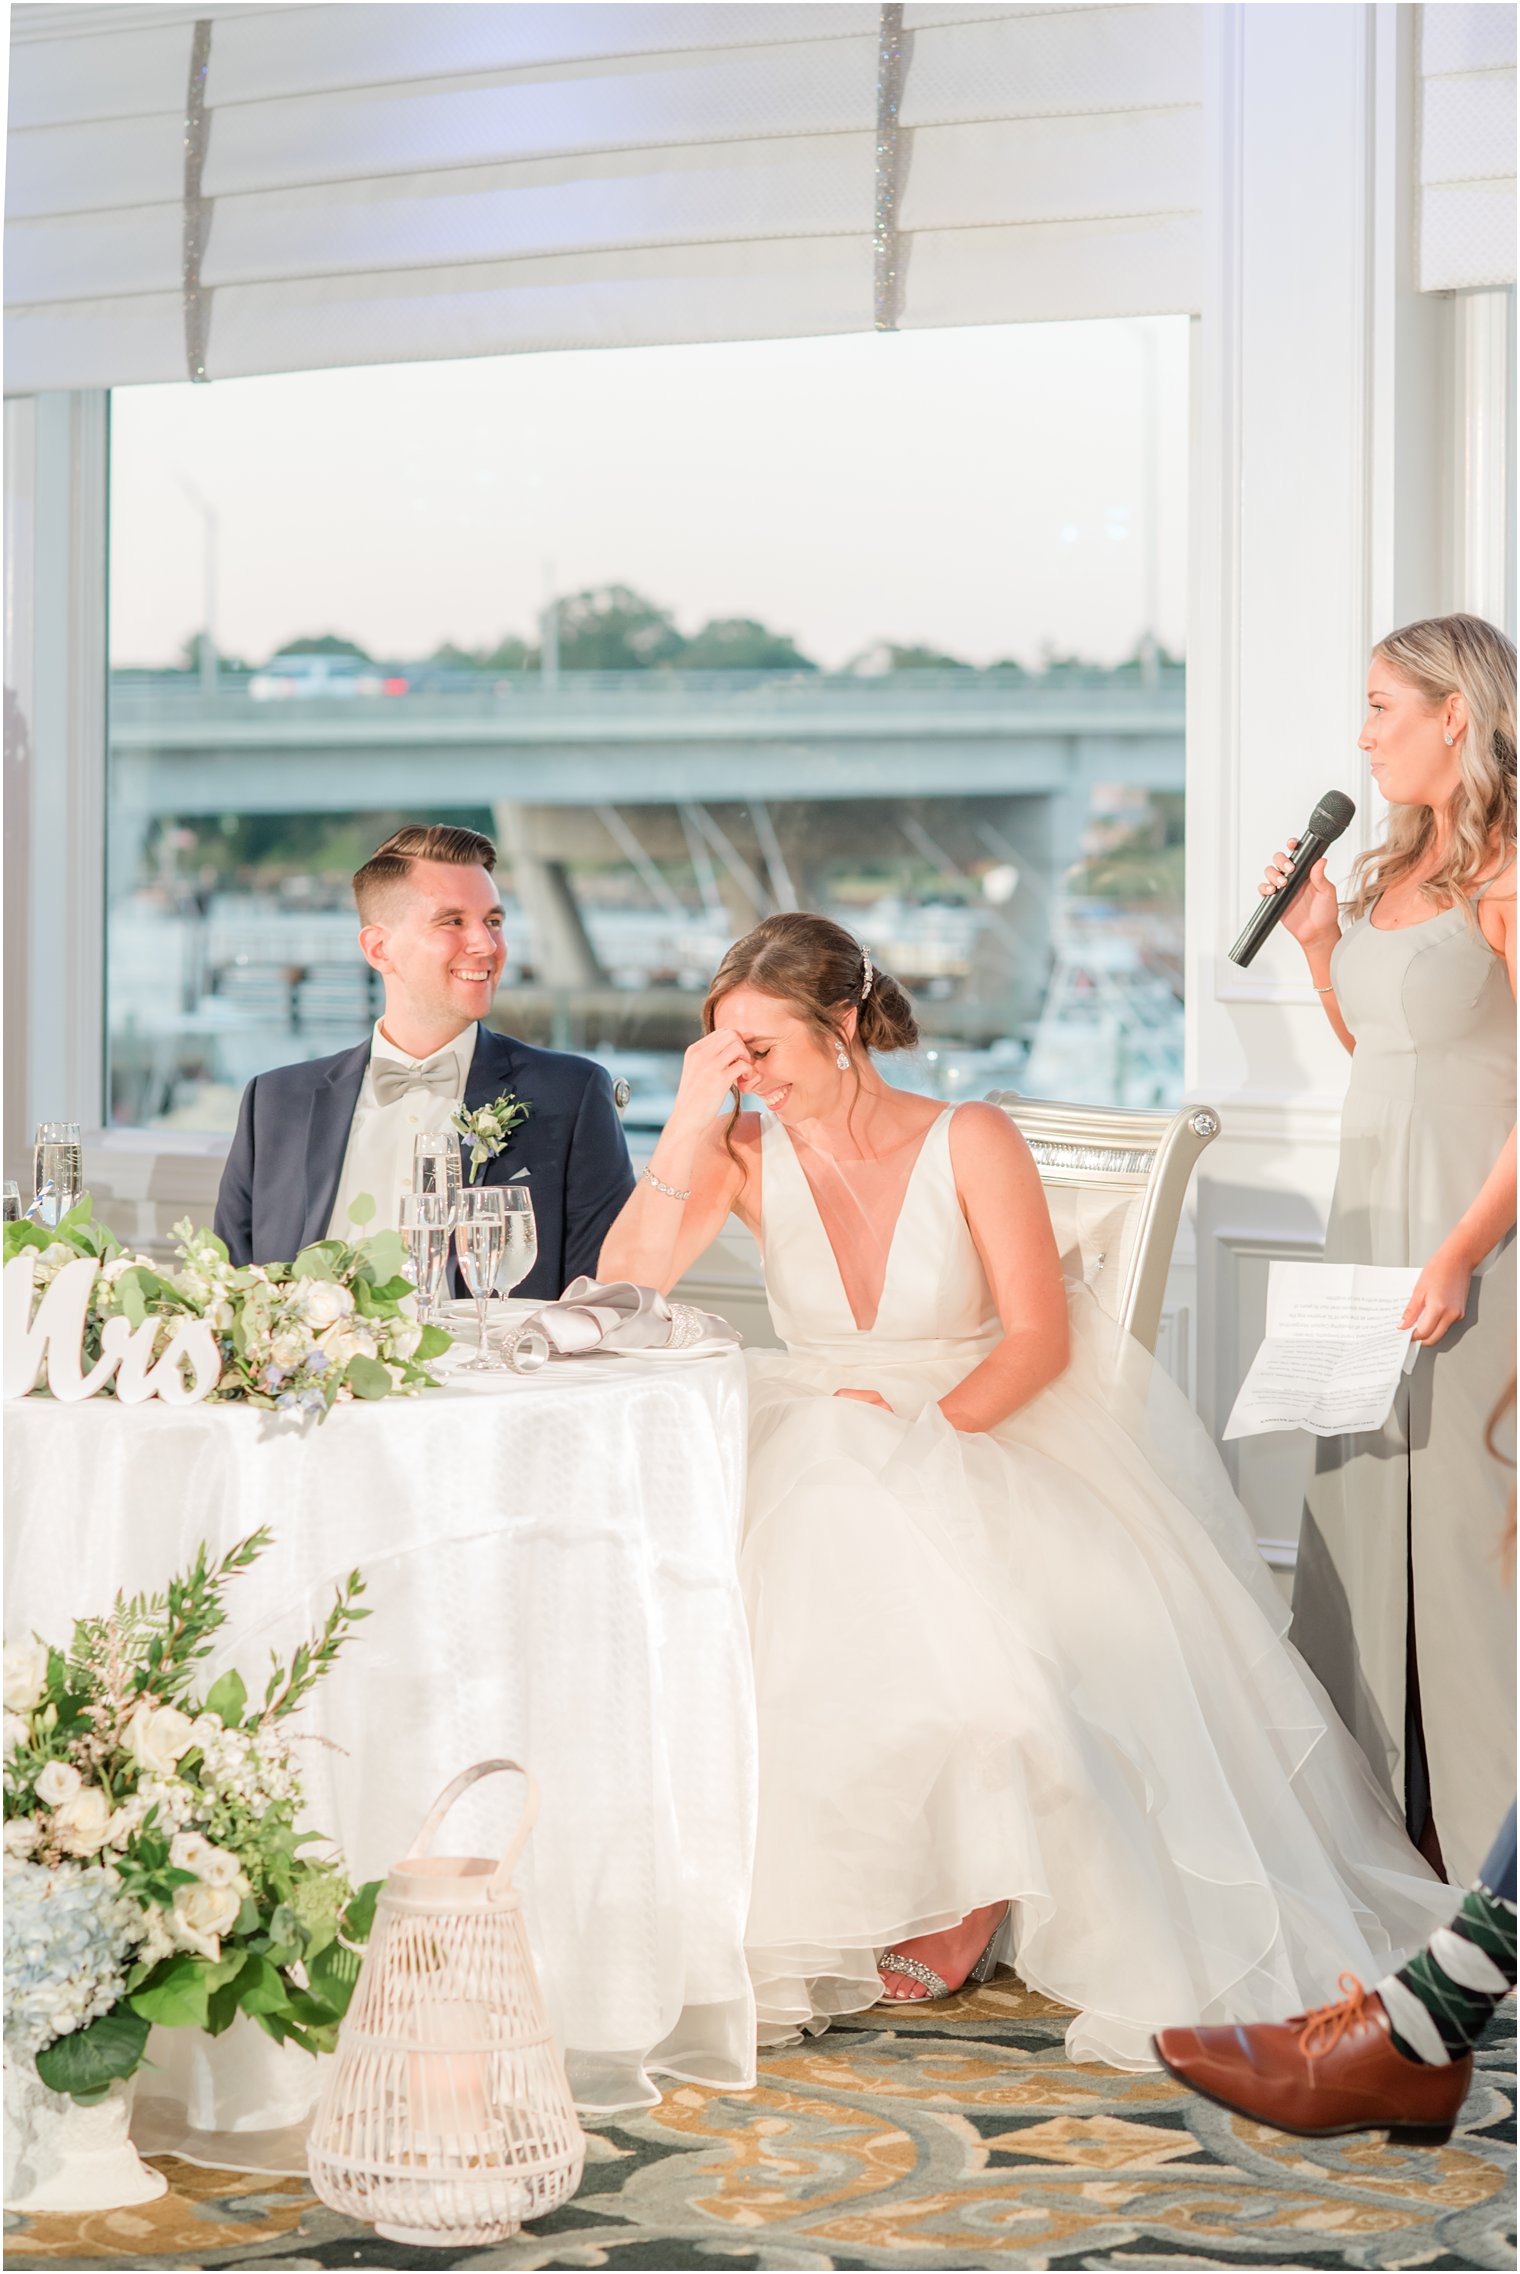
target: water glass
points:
(480, 1235)
(425, 1219)
(57, 1170)
(436, 1166)
(521, 1251)
(10, 1202)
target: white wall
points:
(1336, 492)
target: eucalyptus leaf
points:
(87, 2060)
(319, 1261)
(359, 1914)
(226, 1698)
(26, 1235)
(366, 1377)
(129, 1294)
(361, 1208)
(262, 1988)
(385, 1253)
(176, 1996)
(332, 1974)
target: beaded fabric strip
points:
(197, 214)
(891, 57)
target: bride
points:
(1021, 1681)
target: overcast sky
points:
(981, 491)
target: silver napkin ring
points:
(686, 1327)
(526, 1348)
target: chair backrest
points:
(1116, 1181)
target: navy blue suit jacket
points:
(281, 1177)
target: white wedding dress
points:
(1042, 1663)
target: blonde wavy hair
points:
(1441, 656)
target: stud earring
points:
(842, 1061)
(1450, 739)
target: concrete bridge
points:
(755, 782)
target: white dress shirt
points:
(379, 1155)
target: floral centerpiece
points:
(154, 1870)
(297, 1337)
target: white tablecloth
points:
(551, 1566)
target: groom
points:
(311, 1138)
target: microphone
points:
(1325, 824)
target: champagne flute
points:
(436, 1166)
(424, 1222)
(10, 1201)
(480, 1235)
(57, 1170)
(521, 1250)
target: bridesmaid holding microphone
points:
(1401, 1603)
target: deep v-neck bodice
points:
(933, 1289)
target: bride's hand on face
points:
(720, 1062)
(865, 1397)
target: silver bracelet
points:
(671, 1191)
(1324, 990)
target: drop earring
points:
(842, 1061)
(1450, 739)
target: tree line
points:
(613, 628)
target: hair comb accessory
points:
(869, 974)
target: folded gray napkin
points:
(612, 1314)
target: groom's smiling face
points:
(438, 944)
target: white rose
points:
(26, 1665)
(288, 1347)
(157, 1735)
(404, 1337)
(16, 1732)
(202, 1914)
(326, 1302)
(21, 1835)
(218, 1867)
(59, 1782)
(83, 1824)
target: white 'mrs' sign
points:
(52, 1335)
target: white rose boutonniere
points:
(488, 1130)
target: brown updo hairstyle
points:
(813, 964)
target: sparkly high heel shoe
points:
(894, 1962)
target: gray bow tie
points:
(393, 1080)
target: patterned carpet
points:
(958, 2138)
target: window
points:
(888, 626)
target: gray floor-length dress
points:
(1418, 1511)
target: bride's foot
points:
(953, 1955)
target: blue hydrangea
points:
(69, 1936)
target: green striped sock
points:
(1439, 2004)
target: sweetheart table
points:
(550, 1562)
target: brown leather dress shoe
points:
(1323, 2073)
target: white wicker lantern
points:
(447, 2118)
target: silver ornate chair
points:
(1116, 1181)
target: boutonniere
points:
(488, 1129)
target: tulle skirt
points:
(1043, 1664)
